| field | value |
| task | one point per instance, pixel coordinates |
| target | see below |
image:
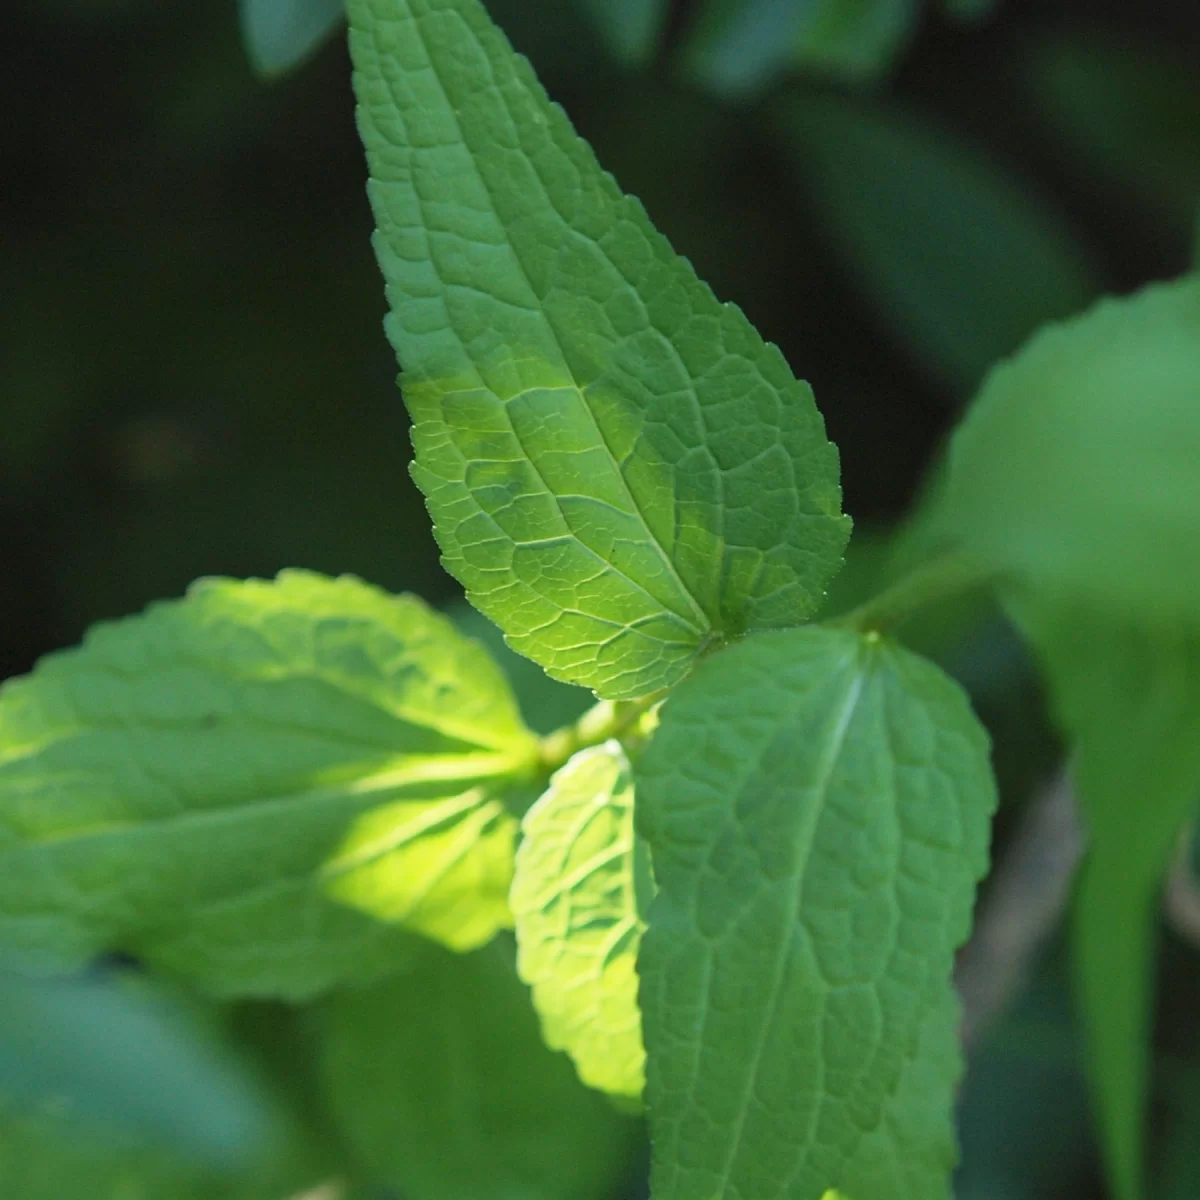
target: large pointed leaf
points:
(443, 1087)
(260, 786)
(581, 883)
(1129, 699)
(817, 807)
(619, 469)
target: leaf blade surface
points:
(578, 920)
(817, 809)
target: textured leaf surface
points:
(581, 884)
(281, 34)
(631, 27)
(1075, 472)
(261, 786)
(1129, 699)
(741, 46)
(958, 258)
(817, 808)
(444, 1088)
(619, 469)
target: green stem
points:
(605, 720)
(929, 584)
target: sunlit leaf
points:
(264, 786)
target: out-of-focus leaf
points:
(957, 258)
(1128, 698)
(631, 28)
(1075, 473)
(442, 1085)
(739, 47)
(281, 34)
(969, 12)
(1128, 112)
(115, 1056)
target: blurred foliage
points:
(195, 380)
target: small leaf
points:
(261, 786)
(960, 260)
(619, 469)
(281, 34)
(1075, 471)
(1129, 700)
(631, 28)
(740, 47)
(582, 879)
(444, 1089)
(817, 808)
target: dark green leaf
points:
(959, 259)
(444, 1088)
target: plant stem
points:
(604, 720)
(929, 584)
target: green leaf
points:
(1074, 473)
(959, 259)
(444, 1089)
(619, 469)
(817, 808)
(1127, 112)
(969, 12)
(739, 47)
(262, 786)
(1129, 700)
(281, 34)
(632, 28)
(581, 884)
(122, 1058)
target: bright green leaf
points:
(281, 34)
(817, 807)
(261, 786)
(631, 27)
(960, 260)
(739, 47)
(1129, 700)
(1075, 472)
(581, 883)
(121, 1058)
(444, 1088)
(619, 469)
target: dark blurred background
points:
(194, 378)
